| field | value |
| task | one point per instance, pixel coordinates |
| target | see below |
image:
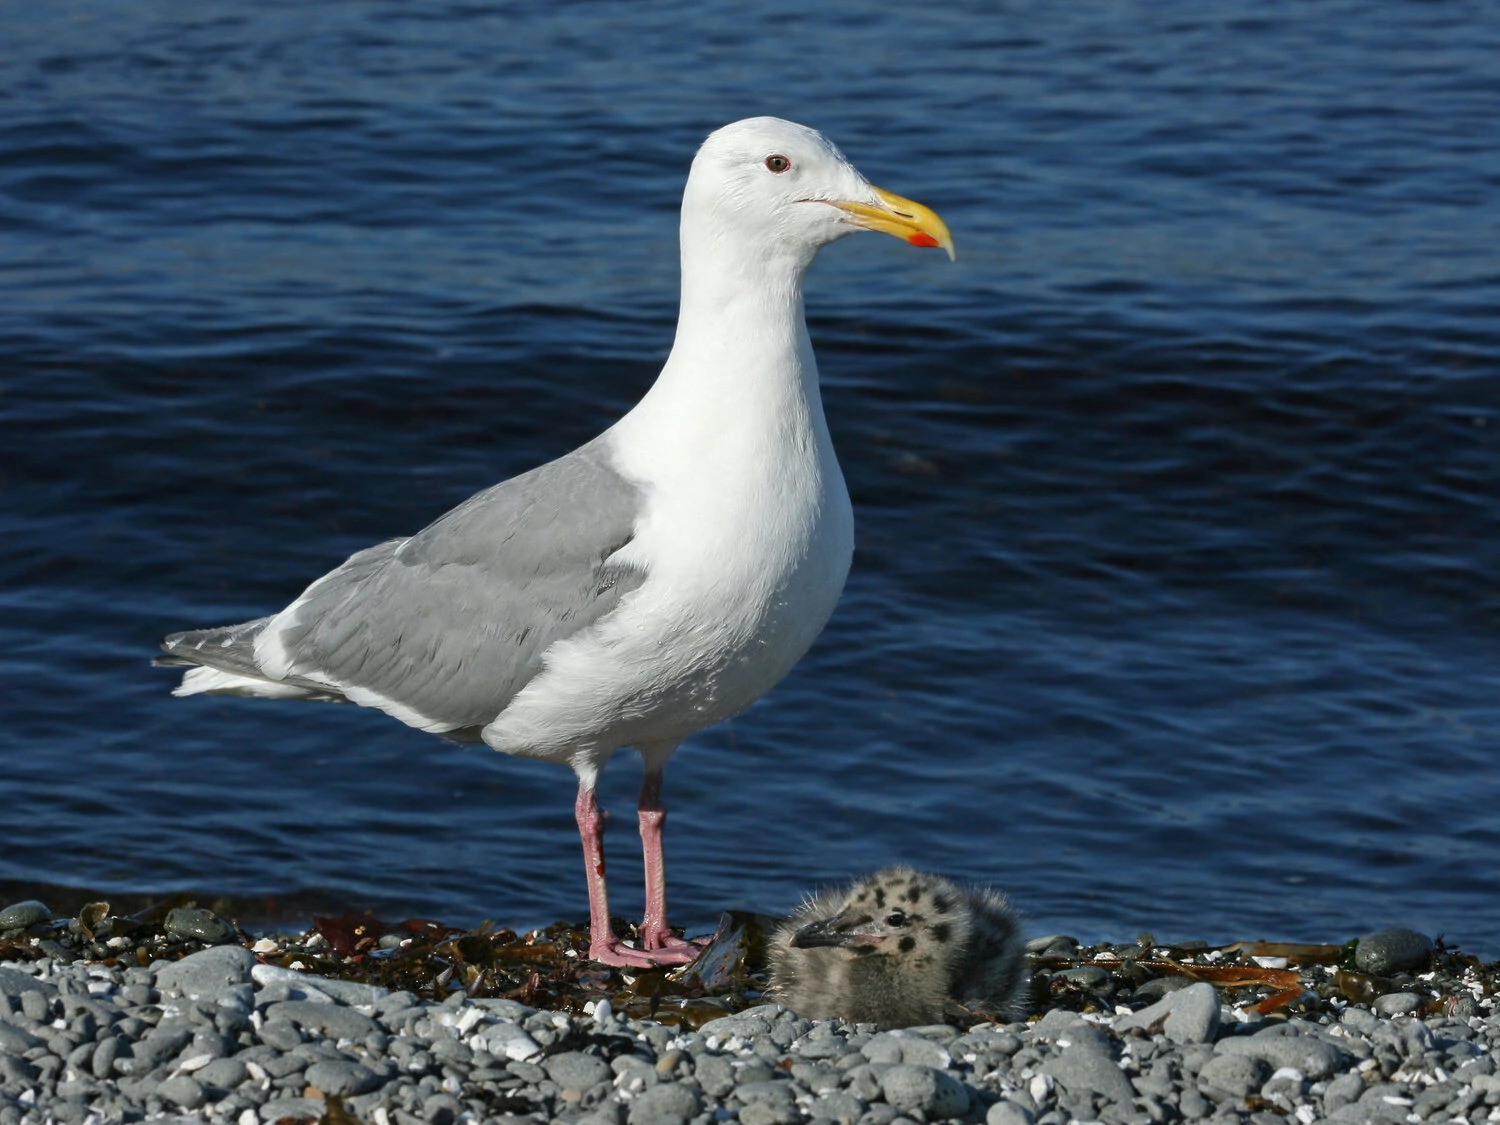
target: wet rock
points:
(19, 915)
(191, 924)
(1393, 949)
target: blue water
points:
(1175, 601)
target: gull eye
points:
(778, 163)
(895, 918)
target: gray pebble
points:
(914, 1050)
(1398, 1004)
(574, 1070)
(662, 1104)
(1234, 1075)
(761, 1113)
(715, 1075)
(1392, 950)
(197, 925)
(181, 1091)
(342, 1076)
(273, 1111)
(207, 973)
(1188, 1015)
(1008, 1113)
(19, 915)
(1084, 1068)
(281, 1034)
(1315, 1058)
(15, 1040)
(934, 1092)
(222, 1074)
(332, 1020)
(835, 1106)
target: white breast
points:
(746, 539)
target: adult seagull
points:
(651, 583)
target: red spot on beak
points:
(921, 238)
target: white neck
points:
(741, 366)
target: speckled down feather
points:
(901, 948)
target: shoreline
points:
(225, 1027)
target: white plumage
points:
(653, 582)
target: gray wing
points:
(453, 622)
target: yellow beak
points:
(904, 218)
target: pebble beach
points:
(105, 1019)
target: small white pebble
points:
(1271, 962)
(1040, 1088)
(197, 1062)
(265, 945)
(1306, 1114)
(468, 1020)
(249, 1117)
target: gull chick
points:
(900, 948)
(655, 581)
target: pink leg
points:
(655, 933)
(604, 947)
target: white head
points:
(777, 190)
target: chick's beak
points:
(838, 930)
(904, 218)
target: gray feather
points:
(454, 621)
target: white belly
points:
(743, 571)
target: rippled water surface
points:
(1174, 605)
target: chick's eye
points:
(778, 163)
(895, 918)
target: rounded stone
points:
(340, 1076)
(920, 1087)
(574, 1070)
(1235, 1075)
(208, 973)
(19, 915)
(223, 1074)
(1391, 950)
(181, 1091)
(667, 1102)
(1398, 1004)
(1008, 1113)
(197, 925)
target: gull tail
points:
(222, 662)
